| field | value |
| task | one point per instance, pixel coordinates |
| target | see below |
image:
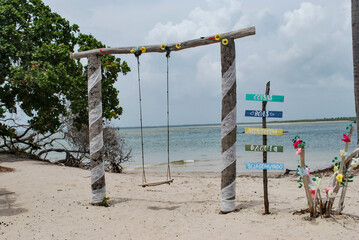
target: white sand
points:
(52, 202)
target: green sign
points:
(263, 148)
(264, 98)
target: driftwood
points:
(157, 48)
(342, 170)
(325, 207)
(306, 184)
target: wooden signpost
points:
(264, 98)
(264, 131)
(266, 166)
(260, 113)
(263, 148)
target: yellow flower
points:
(336, 168)
(178, 45)
(143, 49)
(340, 178)
(132, 50)
(225, 41)
(217, 37)
(163, 46)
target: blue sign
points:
(267, 114)
(268, 166)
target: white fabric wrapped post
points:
(228, 128)
(98, 185)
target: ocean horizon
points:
(197, 148)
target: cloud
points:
(302, 19)
(302, 47)
(217, 17)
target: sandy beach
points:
(44, 201)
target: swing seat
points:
(156, 183)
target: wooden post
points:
(98, 185)
(265, 177)
(342, 170)
(345, 167)
(228, 127)
(306, 184)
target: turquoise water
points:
(198, 148)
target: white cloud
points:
(208, 77)
(215, 18)
(302, 47)
(302, 19)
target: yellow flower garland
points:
(132, 50)
(178, 45)
(163, 46)
(340, 178)
(143, 49)
(217, 37)
(225, 41)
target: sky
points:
(303, 48)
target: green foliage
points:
(104, 201)
(37, 74)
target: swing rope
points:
(137, 54)
(169, 178)
(168, 116)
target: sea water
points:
(198, 148)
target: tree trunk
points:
(229, 127)
(98, 185)
(355, 42)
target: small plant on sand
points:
(104, 201)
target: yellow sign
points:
(264, 131)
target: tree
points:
(115, 149)
(38, 78)
(355, 40)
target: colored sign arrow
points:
(260, 113)
(264, 131)
(263, 97)
(267, 166)
(263, 148)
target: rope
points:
(169, 178)
(168, 117)
(137, 54)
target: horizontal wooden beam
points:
(157, 48)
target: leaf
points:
(351, 177)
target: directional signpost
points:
(265, 166)
(267, 114)
(264, 131)
(263, 148)
(264, 98)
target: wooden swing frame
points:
(229, 101)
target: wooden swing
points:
(169, 180)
